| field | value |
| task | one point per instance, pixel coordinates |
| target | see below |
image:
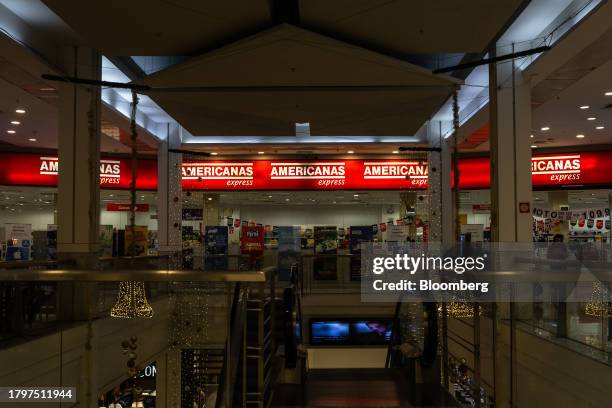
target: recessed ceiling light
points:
(47, 89)
(533, 146)
(585, 107)
(209, 198)
(609, 93)
(32, 139)
(269, 196)
(355, 195)
(545, 129)
(20, 111)
(286, 199)
(591, 118)
(531, 136)
(261, 152)
(599, 127)
(11, 131)
(395, 152)
(214, 153)
(350, 152)
(15, 122)
(580, 136)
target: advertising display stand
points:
(216, 248)
(289, 252)
(17, 241)
(252, 244)
(326, 243)
(359, 234)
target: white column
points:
(510, 118)
(78, 199)
(510, 111)
(169, 192)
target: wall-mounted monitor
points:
(351, 331)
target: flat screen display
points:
(371, 332)
(351, 331)
(329, 332)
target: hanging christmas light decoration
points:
(132, 298)
(132, 301)
(598, 306)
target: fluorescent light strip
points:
(576, 156)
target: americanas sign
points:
(218, 175)
(410, 173)
(305, 175)
(556, 169)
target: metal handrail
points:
(167, 275)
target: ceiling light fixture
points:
(609, 93)
(395, 152)
(545, 129)
(350, 152)
(531, 136)
(20, 111)
(15, 122)
(32, 139)
(580, 136)
(599, 127)
(261, 152)
(583, 107)
(11, 131)
(214, 153)
(591, 118)
(533, 146)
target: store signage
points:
(126, 207)
(481, 208)
(305, 175)
(559, 168)
(548, 171)
(585, 168)
(584, 214)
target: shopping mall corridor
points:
(344, 388)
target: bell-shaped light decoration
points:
(132, 301)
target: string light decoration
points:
(131, 298)
(189, 338)
(132, 301)
(459, 309)
(598, 307)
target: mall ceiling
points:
(356, 52)
(192, 27)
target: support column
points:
(510, 119)
(78, 199)
(212, 209)
(169, 193)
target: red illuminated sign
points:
(548, 171)
(305, 175)
(585, 168)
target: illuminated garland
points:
(597, 307)
(132, 301)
